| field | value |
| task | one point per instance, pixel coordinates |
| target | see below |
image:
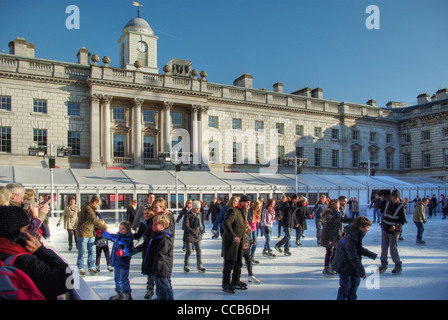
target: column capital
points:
(138, 102)
(106, 98)
(167, 105)
(95, 97)
(204, 108)
(196, 107)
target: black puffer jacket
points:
(348, 253)
(332, 227)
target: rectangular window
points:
(119, 145)
(445, 157)
(148, 116)
(372, 137)
(5, 103)
(389, 138)
(373, 156)
(74, 142)
(237, 124)
(406, 138)
(317, 157)
(280, 128)
(5, 139)
(236, 152)
(389, 160)
(426, 156)
(259, 153)
(212, 150)
(40, 106)
(335, 134)
(445, 132)
(212, 122)
(119, 114)
(73, 109)
(355, 135)
(148, 148)
(176, 118)
(355, 158)
(407, 164)
(335, 158)
(281, 154)
(40, 137)
(318, 132)
(426, 135)
(299, 152)
(299, 130)
(259, 125)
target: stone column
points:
(137, 127)
(95, 135)
(167, 126)
(195, 134)
(201, 129)
(106, 138)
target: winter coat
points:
(122, 242)
(234, 226)
(318, 208)
(332, 227)
(355, 207)
(193, 227)
(267, 219)
(70, 217)
(288, 209)
(214, 210)
(419, 212)
(158, 258)
(47, 270)
(87, 222)
(393, 216)
(349, 250)
(131, 212)
(300, 217)
(185, 210)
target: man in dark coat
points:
(234, 227)
(288, 208)
(347, 258)
(300, 219)
(393, 220)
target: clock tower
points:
(138, 42)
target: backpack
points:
(15, 284)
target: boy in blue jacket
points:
(120, 259)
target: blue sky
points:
(318, 43)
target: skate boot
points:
(186, 268)
(397, 269)
(382, 268)
(201, 269)
(254, 280)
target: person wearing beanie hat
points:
(193, 236)
(288, 208)
(393, 220)
(44, 267)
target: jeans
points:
(347, 287)
(121, 277)
(376, 213)
(285, 240)
(389, 240)
(420, 230)
(164, 291)
(318, 229)
(267, 235)
(86, 245)
(253, 235)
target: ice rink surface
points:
(295, 277)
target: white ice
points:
(297, 277)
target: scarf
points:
(9, 247)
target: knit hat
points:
(396, 193)
(196, 205)
(245, 198)
(12, 218)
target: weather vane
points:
(138, 5)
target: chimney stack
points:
(245, 81)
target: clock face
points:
(142, 46)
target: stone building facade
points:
(133, 116)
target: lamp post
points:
(41, 151)
(299, 163)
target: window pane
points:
(5, 103)
(74, 142)
(40, 137)
(40, 106)
(5, 139)
(73, 109)
(118, 113)
(148, 148)
(119, 145)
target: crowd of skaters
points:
(240, 223)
